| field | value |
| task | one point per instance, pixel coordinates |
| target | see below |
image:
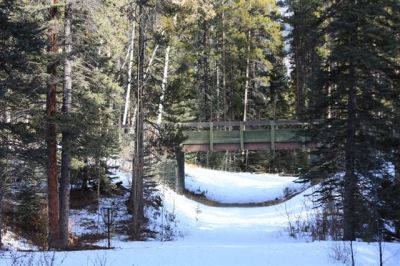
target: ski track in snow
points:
(229, 236)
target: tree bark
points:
(350, 178)
(163, 85)
(51, 108)
(225, 102)
(66, 134)
(180, 172)
(138, 208)
(206, 97)
(2, 188)
(128, 90)
(246, 86)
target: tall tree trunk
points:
(224, 93)
(247, 82)
(218, 106)
(128, 90)
(51, 107)
(3, 175)
(299, 83)
(138, 208)
(66, 134)
(163, 85)
(206, 92)
(350, 178)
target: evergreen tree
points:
(360, 73)
(21, 85)
(307, 51)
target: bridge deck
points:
(277, 136)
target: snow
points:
(226, 187)
(88, 221)
(229, 236)
(13, 242)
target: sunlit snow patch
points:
(227, 187)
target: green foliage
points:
(30, 214)
(210, 45)
(357, 81)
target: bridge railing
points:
(252, 123)
(250, 135)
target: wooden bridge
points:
(237, 136)
(268, 135)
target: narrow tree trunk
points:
(246, 86)
(153, 55)
(207, 95)
(225, 102)
(2, 188)
(51, 107)
(350, 178)
(128, 90)
(138, 208)
(299, 86)
(66, 135)
(98, 173)
(163, 85)
(218, 107)
(164, 81)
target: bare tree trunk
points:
(66, 135)
(128, 90)
(153, 55)
(163, 85)
(246, 86)
(164, 81)
(218, 107)
(207, 97)
(52, 178)
(138, 208)
(225, 103)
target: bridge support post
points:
(180, 172)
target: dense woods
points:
(84, 81)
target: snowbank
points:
(226, 187)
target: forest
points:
(96, 98)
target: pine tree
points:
(306, 42)
(66, 143)
(20, 93)
(360, 73)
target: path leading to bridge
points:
(214, 236)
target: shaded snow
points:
(14, 242)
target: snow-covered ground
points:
(226, 187)
(229, 236)
(12, 241)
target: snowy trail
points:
(230, 236)
(203, 223)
